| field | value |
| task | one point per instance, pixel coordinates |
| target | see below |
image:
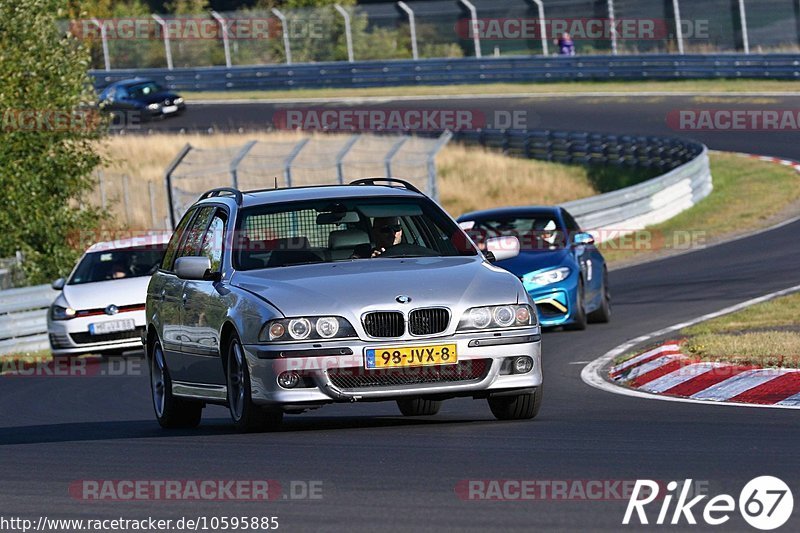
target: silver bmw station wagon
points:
(279, 301)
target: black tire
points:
(171, 411)
(519, 407)
(419, 406)
(247, 416)
(579, 322)
(603, 313)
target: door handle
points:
(183, 298)
(162, 295)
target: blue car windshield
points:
(535, 232)
(345, 229)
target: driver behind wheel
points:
(386, 232)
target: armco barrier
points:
(23, 318)
(466, 70)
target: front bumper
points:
(322, 372)
(72, 337)
(555, 305)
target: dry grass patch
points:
(469, 177)
(761, 348)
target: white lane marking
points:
(655, 364)
(677, 377)
(635, 360)
(791, 401)
(735, 385)
(502, 96)
(578, 362)
(593, 373)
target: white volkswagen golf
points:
(101, 305)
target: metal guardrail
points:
(466, 70)
(685, 179)
(23, 318)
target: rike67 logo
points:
(765, 503)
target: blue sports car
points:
(559, 264)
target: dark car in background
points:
(141, 96)
(559, 264)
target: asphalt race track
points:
(382, 471)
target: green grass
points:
(703, 86)
(748, 195)
(766, 334)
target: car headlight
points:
(497, 316)
(178, 101)
(547, 277)
(152, 107)
(58, 312)
(306, 328)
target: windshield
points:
(144, 89)
(344, 230)
(535, 232)
(116, 264)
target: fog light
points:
(288, 380)
(523, 365)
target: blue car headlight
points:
(547, 277)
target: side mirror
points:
(501, 248)
(582, 239)
(58, 284)
(193, 268)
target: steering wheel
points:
(405, 248)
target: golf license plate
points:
(409, 356)
(169, 109)
(112, 326)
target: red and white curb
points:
(668, 375)
(665, 370)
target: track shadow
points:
(146, 429)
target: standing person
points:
(566, 46)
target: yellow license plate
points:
(407, 356)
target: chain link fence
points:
(318, 160)
(440, 29)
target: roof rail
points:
(219, 191)
(371, 181)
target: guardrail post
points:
(234, 167)
(104, 39)
(433, 188)
(676, 11)
(167, 47)
(225, 43)
(612, 18)
(341, 155)
(542, 26)
(168, 182)
(348, 32)
(412, 28)
(287, 47)
(745, 34)
(387, 160)
(287, 165)
(473, 15)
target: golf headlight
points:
(497, 316)
(152, 107)
(306, 329)
(178, 101)
(547, 277)
(58, 312)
